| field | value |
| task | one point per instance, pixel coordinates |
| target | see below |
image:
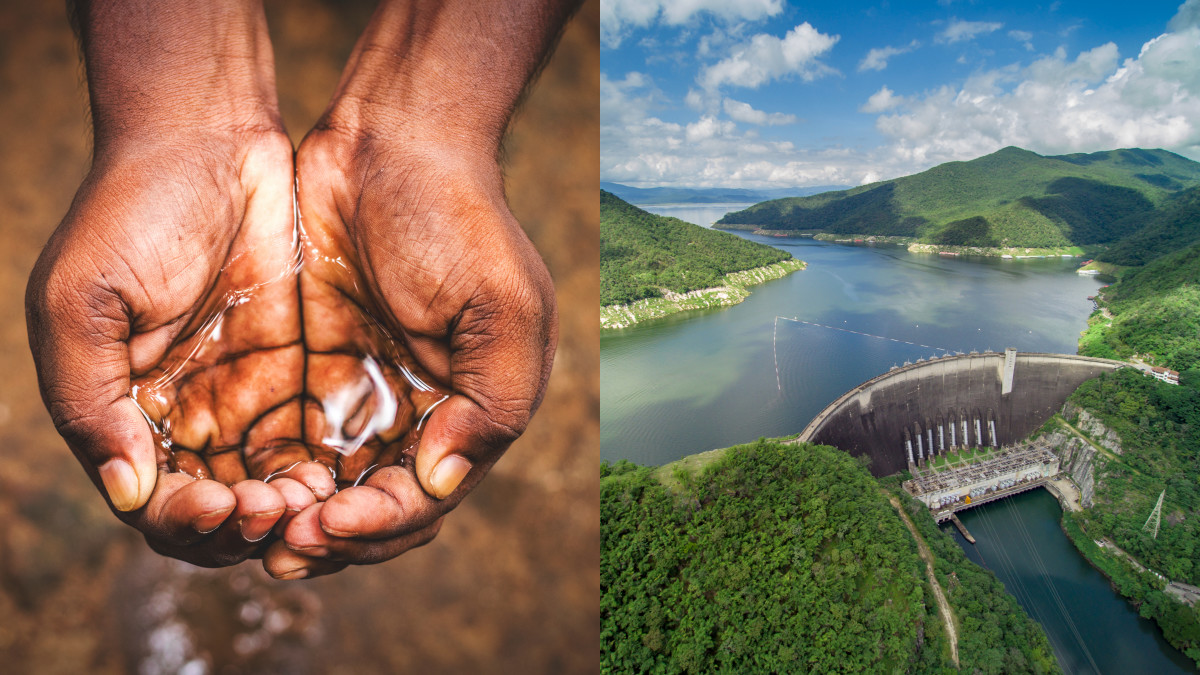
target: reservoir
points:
(1091, 628)
(700, 380)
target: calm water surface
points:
(1091, 628)
(701, 380)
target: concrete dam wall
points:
(925, 409)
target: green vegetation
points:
(994, 633)
(1010, 198)
(1173, 226)
(773, 557)
(732, 289)
(1159, 428)
(1156, 313)
(641, 254)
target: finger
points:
(459, 438)
(314, 475)
(77, 333)
(282, 563)
(259, 507)
(390, 503)
(305, 537)
(183, 509)
(296, 497)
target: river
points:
(702, 380)
(1091, 628)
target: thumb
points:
(77, 336)
(500, 363)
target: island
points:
(652, 266)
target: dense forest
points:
(642, 253)
(1155, 313)
(1159, 428)
(1010, 198)
(1174, 225)
(1155, 310)
(788, 558)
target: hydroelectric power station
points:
(958, 423)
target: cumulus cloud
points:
(618, 17)
(744, 112)
(1059, 105)
(884, 99)
(1188, 16)
(1024, 37)
(639, 148)
(877, 59)
(766, 58)
(959, 31)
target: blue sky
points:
(769, 93)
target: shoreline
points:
(735, 289)
(914, 245)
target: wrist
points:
(166, 69)
(448, 71)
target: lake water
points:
(1091, 628)
(701, 380)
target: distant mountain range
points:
(674, 195)
(1012, 197)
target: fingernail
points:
(448, 474)
(311, 551)
(121, 483)
(254, 528)
(299, 573)
(211, 521)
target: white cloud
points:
(1024, 37)
(708, 127)
(1059, 105)
(958, 30)
(765, 58)
(884, 99)
(877, 58)
(744, 112)
(618, 17)
(1188, 16)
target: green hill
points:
(789, 559)
(1012, 197)
(1175, 224)
(641, 254)
(1155, 312)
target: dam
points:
(913, 415)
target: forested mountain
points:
(1156, 312)
(641, 253)
(789, 559)
(1175, 224)
(673, 195)
(1012, 197)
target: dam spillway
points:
(929, 408)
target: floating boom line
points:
(775, 341)
(847, 330)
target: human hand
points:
(156, 237)
(189, 198)
(440, 261)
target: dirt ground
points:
(512, 583)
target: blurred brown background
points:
(512, 583)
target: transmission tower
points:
(1155, 516)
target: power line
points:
(1155, 516)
